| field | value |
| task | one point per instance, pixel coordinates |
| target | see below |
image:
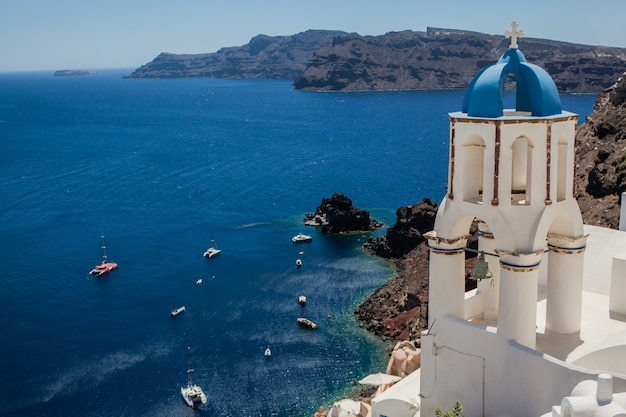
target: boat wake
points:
(86, 376)
(248, 225)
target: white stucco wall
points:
(491, 376)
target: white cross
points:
(514, 34)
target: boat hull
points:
(307, 323)
(177, 311)
(301, 238)
(193, 395)
(212, 252)
(103, 268)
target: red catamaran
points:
(105, 266)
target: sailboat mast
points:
(104, 247)
(189, 370)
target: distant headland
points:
(72, 72)
(326, 60)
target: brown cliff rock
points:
(600, 175)
(448, 58)
(267, 57)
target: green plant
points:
(456, 411)
(622, 164)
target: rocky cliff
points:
(435, 59)
(338, 215)
(446, 58)
(268, 57)
(601, 158)
(399, 309)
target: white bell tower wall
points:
(514, 173)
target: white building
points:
(546, 334)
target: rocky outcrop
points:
(601, 158)
(267, 57)
(398, 310)
(337, 215)
(447, 58)
(408, 231)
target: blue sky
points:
(87, 34)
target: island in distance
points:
(72, 72)
(324, 60)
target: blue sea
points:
(161, 167)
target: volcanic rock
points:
(600, 175)
(449, 58)
(267, 57)
(337, 215)
(408, 231)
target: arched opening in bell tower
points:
(473, 163)
(561, 169)
(521, 170)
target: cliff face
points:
(446, 58)
(601, 158)
(435, 59)
(399, 309)
(268, 57)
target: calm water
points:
(160, 166)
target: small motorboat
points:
(307, 323)
(298, 263)
(177, 311)
(268, 352)
(199, 281)
(302, 299)
(301, 238)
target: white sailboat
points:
(192, 394)
(213, 250)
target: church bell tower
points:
(511, 171)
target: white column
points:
(565, 283)
(622, 213)
(488, 289)
(446, 288)
(517, 311)
(617, 293)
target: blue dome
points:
(536, 92)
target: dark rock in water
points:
(337, 214)
(408, 231)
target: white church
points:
(544, 333)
